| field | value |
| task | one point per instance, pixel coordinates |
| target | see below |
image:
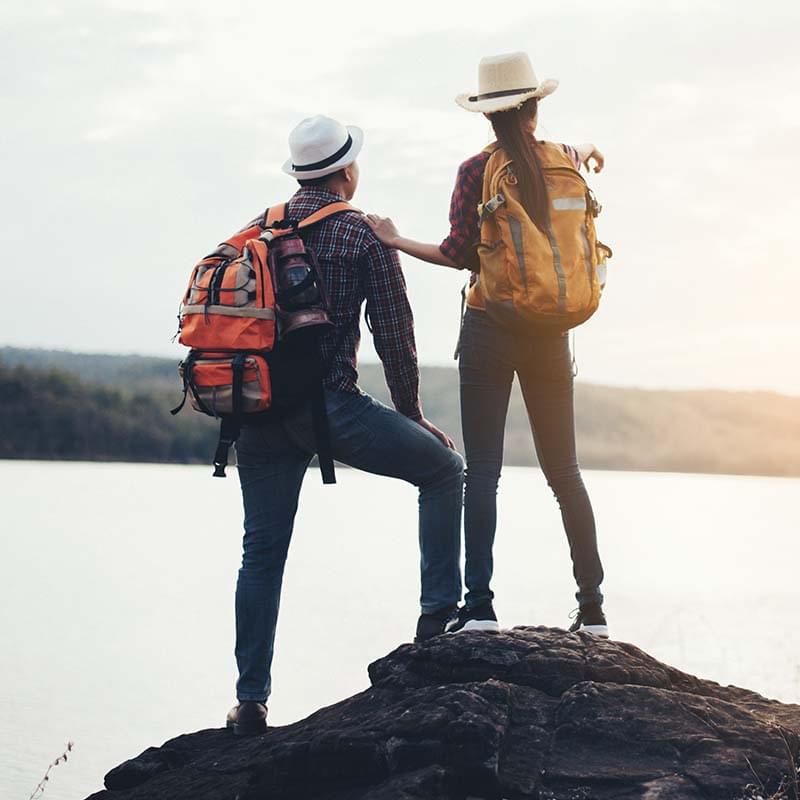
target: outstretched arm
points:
(387, 232)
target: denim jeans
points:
(490, 356)
(272, 461)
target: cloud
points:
(145, 132)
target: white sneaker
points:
(590, 618)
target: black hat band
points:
(506, 93)
(326, 162)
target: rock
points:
(527, 713)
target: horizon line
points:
(440, 365)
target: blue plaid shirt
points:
(356, 266)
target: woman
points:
(491, 353)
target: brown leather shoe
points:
(249, 718)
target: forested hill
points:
(63, 405)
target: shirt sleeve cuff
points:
(465, 259)
(449, 250)
(414, 413)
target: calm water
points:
(117, 615)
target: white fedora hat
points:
(320, 146)
(504, 82)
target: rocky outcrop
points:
(527, 713)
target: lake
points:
(118, 580)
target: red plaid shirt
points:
(355, 267)
(462, 241)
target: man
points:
(273, 459)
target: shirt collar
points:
(317, 193)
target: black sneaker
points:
(590, 618)
(430, 625)
(477, 618)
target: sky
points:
(138, 134)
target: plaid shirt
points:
(462, 241)
(356, 266)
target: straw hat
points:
(504, 82)
(320, 146)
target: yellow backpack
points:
(528, 277)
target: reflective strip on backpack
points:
(229, 311)
(569, 203)
(562, 281)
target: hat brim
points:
(348, 158)
(494, 104)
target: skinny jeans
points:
(490, 356)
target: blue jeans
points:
(490, 356)
(272, 461)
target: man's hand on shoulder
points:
(440, 435)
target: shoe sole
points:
(247, 729)
(479, 625)
(600, 631)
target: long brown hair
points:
(512, 129)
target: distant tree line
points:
(60, 405)
(46, 413)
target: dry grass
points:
(39, 790)
(788, 789)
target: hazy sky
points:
(138, 134)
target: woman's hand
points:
(587, 152)
(599, 161)
(387, 232)
(384, 229)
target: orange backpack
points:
(532, 278)
(253, 314)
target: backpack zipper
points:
(262, 265)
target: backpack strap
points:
(231, 426)
(277, 222)
(275, 214)
(186, 372)
(319, 414)
(272, 218)
(322, 433)
(337, 207)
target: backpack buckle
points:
(594, 206)
(490, 206)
